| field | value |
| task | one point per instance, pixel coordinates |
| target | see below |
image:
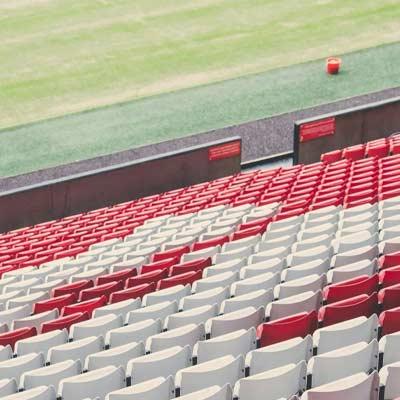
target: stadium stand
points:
(272, 284)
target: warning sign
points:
(316, 129)
(224, 151)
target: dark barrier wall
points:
(108, 186)
(315, 136)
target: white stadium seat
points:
(41, 343)
(182, 336)
(135, 332)
(236, 343)
(281, 382)
(277, 355)
(50, 375)
(346, 333)
(241, 319)
(77, 350)
(154, 389)
(117, 356)
(162, 363)
(337, 364)
(156, 311)
(359, 386)
(97, 383)
(220, 371)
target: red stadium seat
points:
(75, 287)
(244, 233)
(121, 275)
(332, 156)
(363, 284)
(55, 302)
(389, 321)
(258, 222)
(286, 328)
(389, 260)
(162, 264)
(389, 276)
(64, 322)
(389, 297)
(194, 265)
(69, 253)
(18, 334)
(210, 243)
(182, 279)
(101, 290)
(148, 277)
(362, 305)
(133, 292)
(85, 306)
(354, 152)
(176, 252)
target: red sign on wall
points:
(222, 151)
(316, 129)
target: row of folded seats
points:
(339, 360)
(272, 290)
(322, 249)
(299, 189)
(375, 148)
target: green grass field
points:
(59, 57)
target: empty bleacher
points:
(272, 284)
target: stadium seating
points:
(271, 283)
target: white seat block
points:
(220, 280)
(281, 382)
(117, 356)
(41, 343)
(389, 346)
(8, 316)
(182, 336)
(35, 320)
(196, 316)
(232, 265)
(359, 386)
(156, 311)
(8, 386)
(77, 350)
(29, 299)
(241, 319)
(220, 371)
(120, 308)
(352, 270)
(273, 266)
(318, 267)
(15, 367)
(96, 326)
(154, 389)
(277, 355)
(162, 363)
(39, 393)
(97, 383)
(211, 296)
(136, 332)
(256, 299)
(346, 333)
(174, 293)
(345, 361)
(236, 343)
(311, 283)
(259, 282)
(303, 302)
(51, 375)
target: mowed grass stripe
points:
(172, 115)
(63, 56)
